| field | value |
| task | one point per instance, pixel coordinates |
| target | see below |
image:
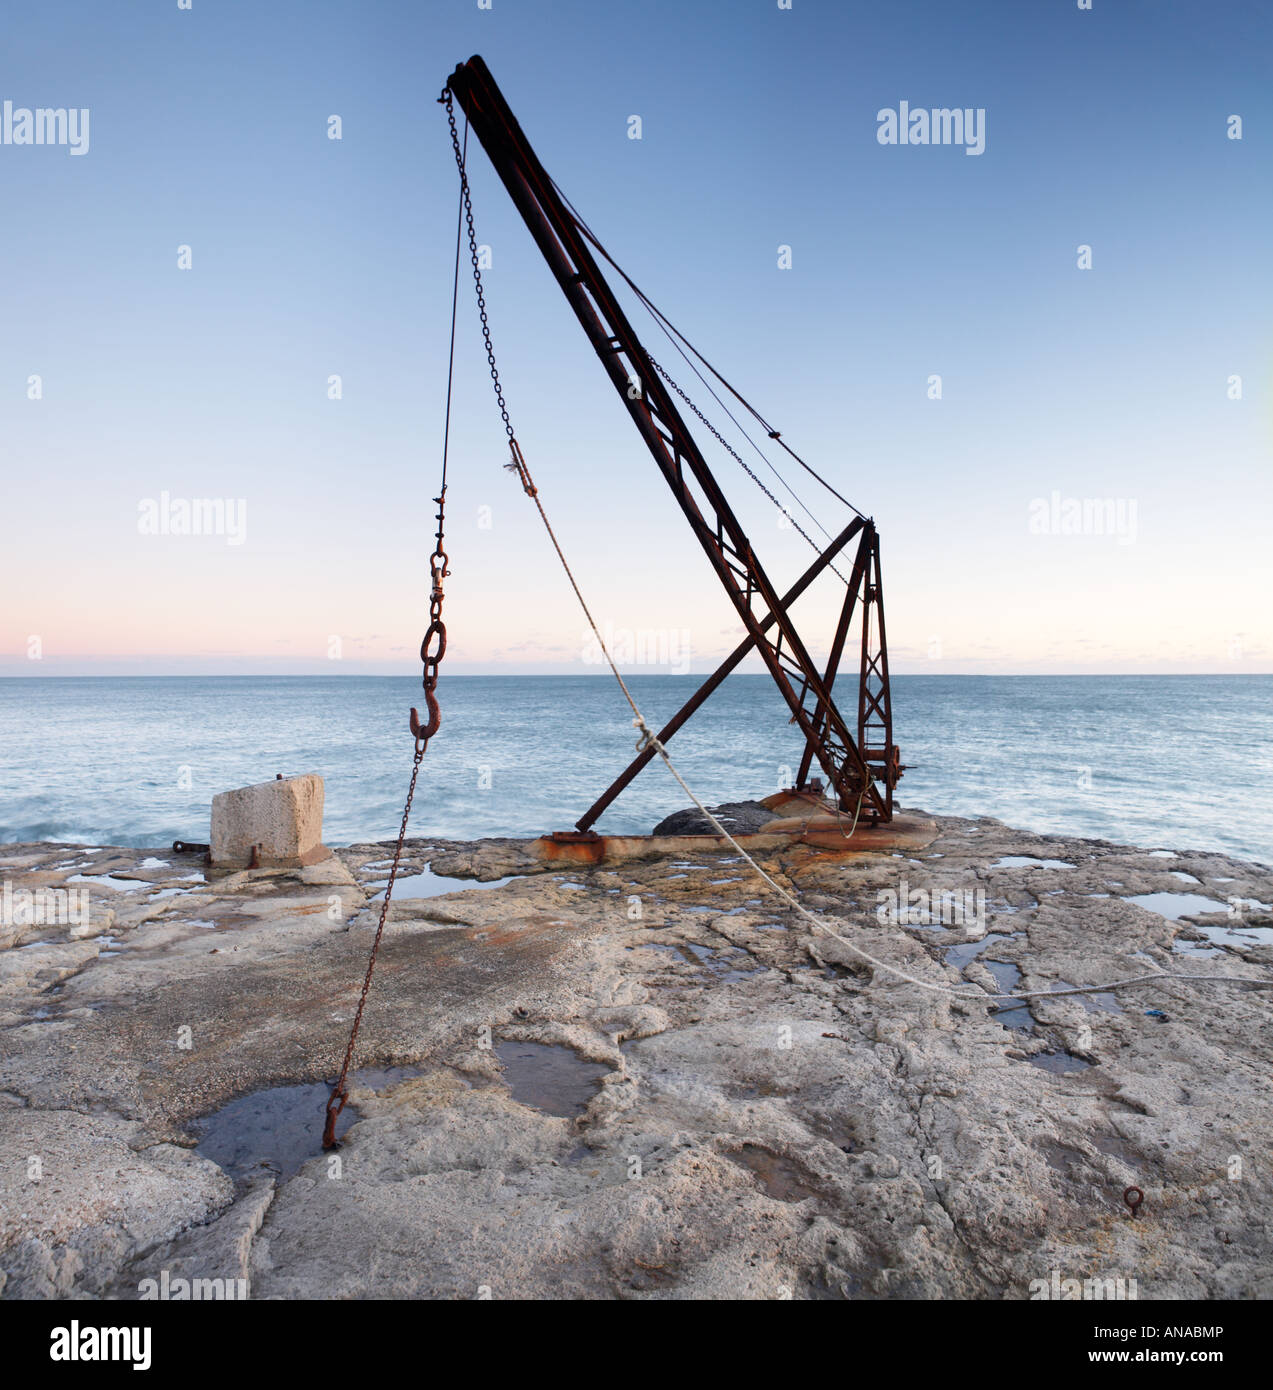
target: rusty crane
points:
(858, 759)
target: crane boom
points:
(562, 240)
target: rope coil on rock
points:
(651, 739)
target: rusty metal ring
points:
(438, 630)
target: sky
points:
(180, 294)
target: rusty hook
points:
(426, 731)
(333, 1114)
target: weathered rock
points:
(270, 824)
(77, 1200)
(739, 817)
(773, 1115)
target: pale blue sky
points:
(312, 257)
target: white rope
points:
(650, 739)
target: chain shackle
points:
(438, 572)
(518, 466)
(333, 1114)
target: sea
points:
(1176, 762)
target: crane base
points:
(817, 829)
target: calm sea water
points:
(1173, 761)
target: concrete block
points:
(282, 821)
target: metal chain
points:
(432, 650)
(340, 1092)
(738, 458)
(477, 271)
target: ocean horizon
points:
(1170, 761)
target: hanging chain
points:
(432, 650)
(340, 1092)
(445, 99)
(518, 463)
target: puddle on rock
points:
(1058, 1062)
(1061, 1158)
(959, 955)
(723, 963)
(427, 884)
(1183, 947)
(1238, 936)
(1008, 976)
(664, 947)
(782, 1179)
(279, 1129)
(1174, 906)
(1114, 1145)
(109, 881)
(553, 1079)
(1095, 1001)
